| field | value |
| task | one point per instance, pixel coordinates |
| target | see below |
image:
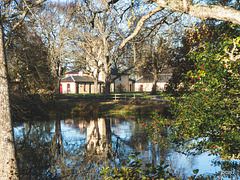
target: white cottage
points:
(79, 81)
(145, 84)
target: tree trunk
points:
(55, 73)
(107, 88)
(8, 163)
(154, 87)
(57, 85)
(96, 83)
(95, 86)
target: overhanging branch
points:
(139, 25)
(222, 13)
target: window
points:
(68, 88)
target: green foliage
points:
(157, 130)
(28, 68)
(209, 112)
(206, 117)
(135, 170)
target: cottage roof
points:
(67, 79)
(84, 79)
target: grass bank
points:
(133, 107)
(100, 107)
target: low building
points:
(121, 84)
(79, 81)
(145, 84)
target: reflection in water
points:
(99, 138)
(77, 149)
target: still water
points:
(78, 149)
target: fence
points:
(115, 97)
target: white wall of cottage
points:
(71, 90)
(148, 86)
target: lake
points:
(79, 148)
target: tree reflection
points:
(99, 139)
(33, 147)
(78, 149)
(45, 150)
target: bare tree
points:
(97, 38)
(155, 60)
(95, 44)
(55, 28)
(17, 11)
(219, 10)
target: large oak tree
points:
(14, 11)
(97, 36)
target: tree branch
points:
(139, 26)
(231, 54)
(23, 13)
(222, 13)
(121, 73)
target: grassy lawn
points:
(77, 104)
(132, 107)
